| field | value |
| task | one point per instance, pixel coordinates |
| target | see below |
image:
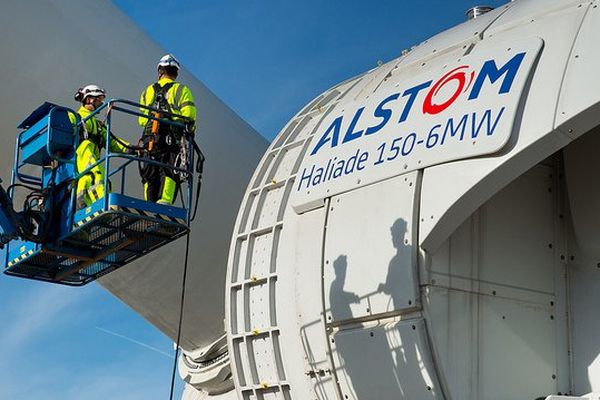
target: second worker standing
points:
(163, 141)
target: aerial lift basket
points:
(50, 239)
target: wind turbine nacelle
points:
(429, 229)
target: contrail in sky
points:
(135, 341)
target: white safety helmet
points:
(89, 91)
(168, 60)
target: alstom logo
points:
(433, 98)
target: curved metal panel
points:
(385, 361)
(370, 254)
(469, 183)
(354, 304)
(578, 108)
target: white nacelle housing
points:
(431, 228)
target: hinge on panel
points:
(313, 373)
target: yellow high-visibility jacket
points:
(90, 187)
(179, 97)
(97, 132)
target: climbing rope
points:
(181, 308)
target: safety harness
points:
(161, 101)
(95, 137)
(165, 134)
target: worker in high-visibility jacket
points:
(92, 138)
(163, 141)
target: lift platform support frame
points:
(109, 233)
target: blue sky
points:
(265, 60)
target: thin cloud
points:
(38, 310)
(147, 346)
(126, 379)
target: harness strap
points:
(93, 136)
(161, 100)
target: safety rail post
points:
(107, 157)
(13, 175)
(78, 122)
(10, 192)
(190, 176)
(123, 179)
